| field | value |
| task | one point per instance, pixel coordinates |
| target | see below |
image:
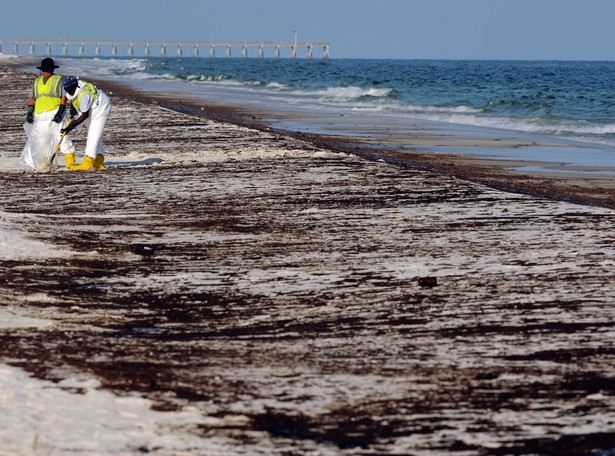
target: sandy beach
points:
(297, 294)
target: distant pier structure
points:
(95, 48)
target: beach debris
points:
(144, 249)
(428, 281)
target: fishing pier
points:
(99, 48)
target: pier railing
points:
(95, 47)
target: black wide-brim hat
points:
(47, 64)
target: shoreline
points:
(582, 187)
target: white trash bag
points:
(43, 137)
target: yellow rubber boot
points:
(99, 161)
(88, 163)
(69, 159)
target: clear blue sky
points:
(407, 29)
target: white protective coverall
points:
(99, 113)
(43, 137)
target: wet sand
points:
(310, 301)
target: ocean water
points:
(562, 101)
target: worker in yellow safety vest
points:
(46, 116)
(92, 106)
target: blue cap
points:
(70, 82)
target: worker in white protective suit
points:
(46, 116)
(92, 106)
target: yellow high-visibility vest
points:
(87, 89)
(47, 94)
